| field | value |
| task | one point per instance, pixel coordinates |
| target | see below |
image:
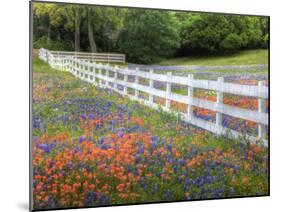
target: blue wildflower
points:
(91, 116)
(170, 147)
(82, 139)
(120, 134)
(84, 117)
(102, 198)
(46, 147)
(95, 196)
(156, 187)
(89, 199)
(206, 162)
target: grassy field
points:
(94, 147)
(248, 57)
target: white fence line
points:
(90, 72)
(95, 57)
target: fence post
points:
(150, 98)
(190, 96)
(219, 101)
(58, 63)
(137, 82)
(168, 90)
(47, 57)
(63, 64)
(107, 75)
(261, 109)
(74, 66)
(56, 66)
(93, 72)
(78, 67)
(98, 76)
(73, 69)
(86, 74)
(85, 66)
(115, 77)
(81, 68)
(62, 61)
(126, 80)
(80, 64)
(86, 70)
(70, 65)
(53, 61)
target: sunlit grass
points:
(247, 57)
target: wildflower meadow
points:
(94, 147)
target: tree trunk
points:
(90, 32)
(77, 30)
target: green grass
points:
(221, 72)
(248, 57)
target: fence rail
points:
(94, 57)
(107, 76)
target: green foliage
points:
(149, 36)
(213, 33)
(43, 42)
(107, 25)
(57, 22)
(231, 43)
(145, 36)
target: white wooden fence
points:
(93, 57)
(107, 77)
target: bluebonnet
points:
(46, 147)
(82, 139)
(89, 199)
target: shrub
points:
(43, 42)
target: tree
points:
(73, 15)
(90, 31)
(149, 35)
(216, 33)
(107, 24)
(43, 14)
(145, 36)
(265, 31)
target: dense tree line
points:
(145, 36)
